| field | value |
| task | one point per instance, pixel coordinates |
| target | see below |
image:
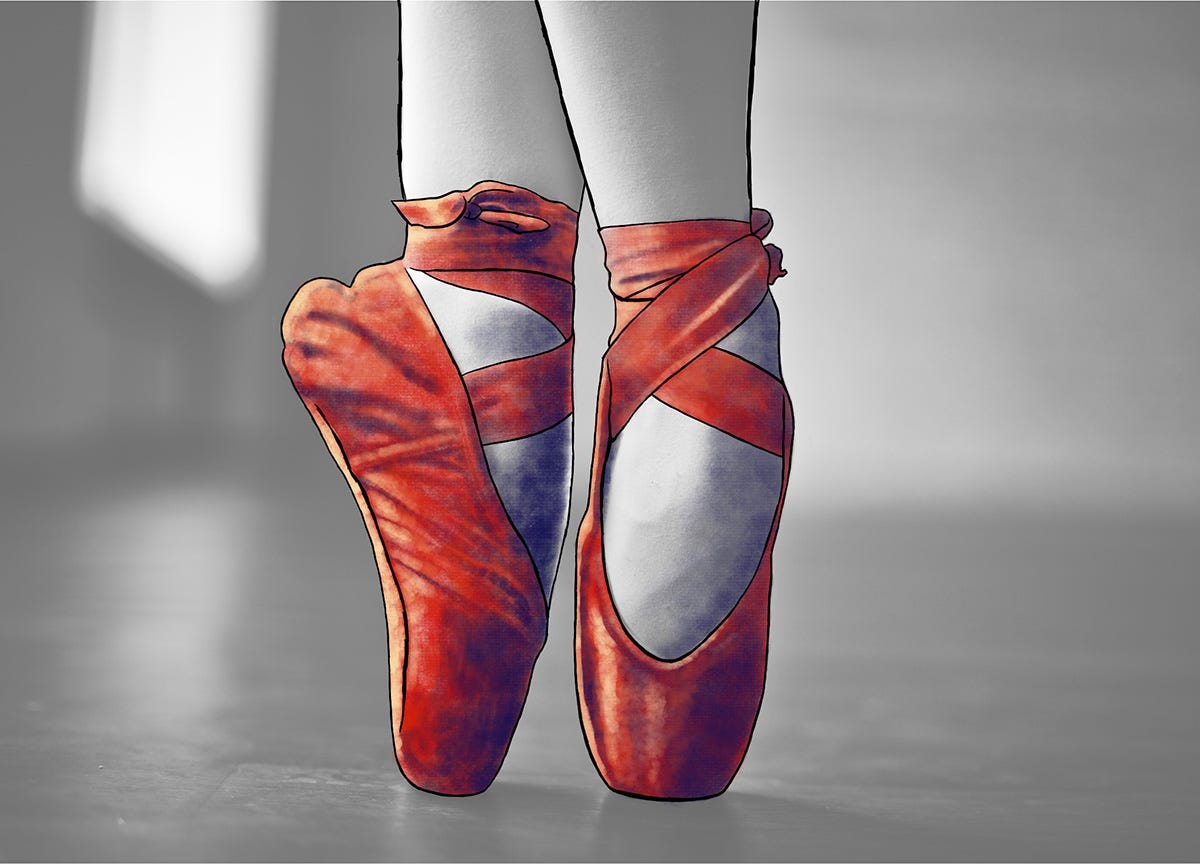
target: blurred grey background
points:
(983, 643)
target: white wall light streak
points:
(173, 146)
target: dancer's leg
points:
(440, 382)
(658, 98)
(479, 101)
(657, 94)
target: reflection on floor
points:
(192, 667)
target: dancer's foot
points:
(688, 507)
(693, 442)
(532, 474)
(421, 410)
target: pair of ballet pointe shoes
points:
(466, 614)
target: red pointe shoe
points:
(466, 614)
(678, 729)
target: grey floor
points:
(192, 666)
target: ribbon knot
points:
(775, 268)
(488, 202)
(760, 227)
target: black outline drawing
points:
(662, 285)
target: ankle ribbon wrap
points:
(462, 238)
(680, 288)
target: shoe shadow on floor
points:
(645, 830)
(511, 821)
(743, 827)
